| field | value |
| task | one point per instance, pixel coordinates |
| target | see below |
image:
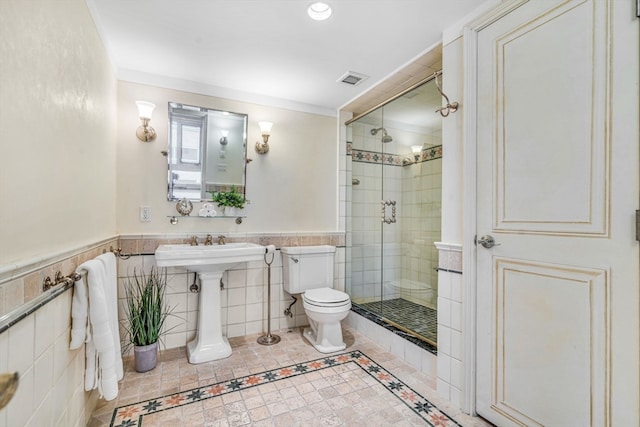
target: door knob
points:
(487, 241)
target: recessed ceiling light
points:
(319, 11)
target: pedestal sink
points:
(210, 262)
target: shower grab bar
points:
(384, 218)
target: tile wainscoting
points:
(35, 342)
(243, 298)
(450, 345)
(38, 323)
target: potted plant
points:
(230, 201)
(146, 312)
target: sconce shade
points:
(145, 109)
(145, 132)
(225, 134)
(265, 130)
(265, 127)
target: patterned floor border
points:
(132, 415)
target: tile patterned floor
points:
(288, 384)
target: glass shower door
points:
(393, 213)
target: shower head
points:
(385, 136)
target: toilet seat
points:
(326, 297)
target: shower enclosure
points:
(394, 165)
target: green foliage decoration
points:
(146, 309)
(229, 198)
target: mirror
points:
(207, 152)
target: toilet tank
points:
(307, 267)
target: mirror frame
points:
(173, 148)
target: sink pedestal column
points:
(209, 344)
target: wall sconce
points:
(145, 132)
(265, 130)
(416, 150)
(225, 134)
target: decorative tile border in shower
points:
(363, 156)
(133, 414)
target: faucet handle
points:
(194, 241)
(221, 238)
(209, 240)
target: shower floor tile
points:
(415, 317)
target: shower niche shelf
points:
(174, 219)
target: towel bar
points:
(59, 279)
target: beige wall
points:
(291, 188)
(57, 183)
(57, 130)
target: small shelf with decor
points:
(174, 219)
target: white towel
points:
(102, 370)
(111, 293)
(79, 317)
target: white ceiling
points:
(270, 51)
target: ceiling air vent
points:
(352, 78)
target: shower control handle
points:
(487, 241)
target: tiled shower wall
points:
(408, 257)
(422, 207)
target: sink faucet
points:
(209, 240)
(194, 241)
(221, 239)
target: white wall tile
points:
(413, 354)
(178, 302)
(456, 287)
(455, 397)
(19, 408)
(444, 368)
(456, 344)
(236, 297)
(43, 376)
(237, 330)
(456, 373)
(236, 315)
(444, 312)
(429, 364)
(44, 335)
(397, 346)
(384, 338)
(456, 315)
(43, 413)
(21, 343)
(444, 340)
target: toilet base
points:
(324, 346)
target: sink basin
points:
(208, 258)
(210, 262)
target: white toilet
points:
(308, 270)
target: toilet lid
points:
(325, 296)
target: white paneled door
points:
(556, 115)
